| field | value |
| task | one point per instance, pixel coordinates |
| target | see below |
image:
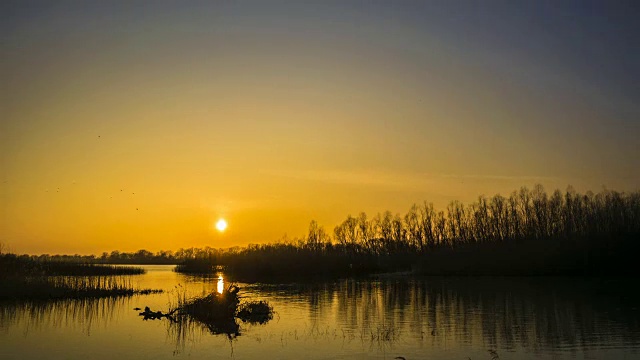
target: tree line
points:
(524, 215)
(527, 233)
(530, 231)
(136, 257)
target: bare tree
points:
(317, 236)
(414, 230)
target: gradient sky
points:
(131, 124)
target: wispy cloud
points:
(396, 180)
(499, 177)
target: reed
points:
(67, 287)
(217, 312)
(11, 264)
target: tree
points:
(414, 230)
(317, 236)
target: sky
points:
(138, 124)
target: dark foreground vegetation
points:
(25, 278)
(528, 233)
(24, 265)
(216, 312)
(226, 305)
(140, 257)
(68, 287)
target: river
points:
(381, 318)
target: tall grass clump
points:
(217, 312)
(212, 307)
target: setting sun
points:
(221, 225)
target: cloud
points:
(501, 177)
(395, 180)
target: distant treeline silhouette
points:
(120, 257)
(527, 233)
(35, 278)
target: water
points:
(417, 318)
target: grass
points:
(66, 287)
(256, 312)
(212, 307)
(11, 264)
(292, 263)
(384, 333)
(196, 266)
(23, 278)
(217, 312)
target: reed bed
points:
(217, 312)
(67, 287)
(255, 312)
(11, 264)
(212, 307)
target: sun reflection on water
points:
(220, 286)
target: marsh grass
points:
(212, 307)
(277, 263)
(255, 312)
(196, 266)
(11, 264)
(217, 312)
(67, 287)
(382, 334)
(25, 278)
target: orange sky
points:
(128, 128)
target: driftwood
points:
(153, 315)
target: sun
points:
(221, 225)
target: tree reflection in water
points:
(538, 314)
(409, 316)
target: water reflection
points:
(220, 284)
(73, 313)
(441, 318)
(216, 313)
(536, 314)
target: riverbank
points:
(23, 278)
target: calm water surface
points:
(416, 318)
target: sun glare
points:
(220, 285)
(221, 225)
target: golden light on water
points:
(220, 286)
